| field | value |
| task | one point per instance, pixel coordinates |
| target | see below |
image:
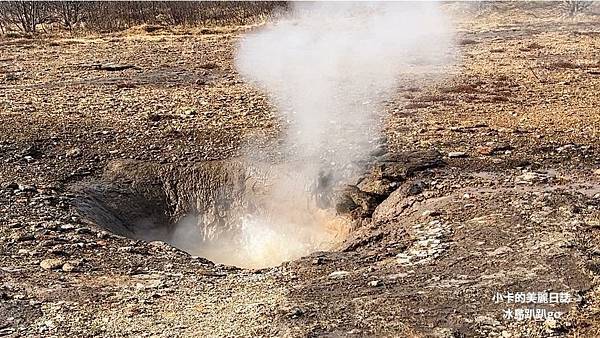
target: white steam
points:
(328, 67)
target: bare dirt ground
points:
(515, 206)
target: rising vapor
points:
(327, 66)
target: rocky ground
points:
(510, 205)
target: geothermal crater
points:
(239, 214)
(226, 211)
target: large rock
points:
(359, 203)
(399, 166)
(385, 176)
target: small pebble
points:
(51, 263)
(375, 283)
(68, 267)
(456, 154)
(338, 274)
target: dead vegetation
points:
(31, 17)
(577, 6)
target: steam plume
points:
(328, 66)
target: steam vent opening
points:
(224, 211)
